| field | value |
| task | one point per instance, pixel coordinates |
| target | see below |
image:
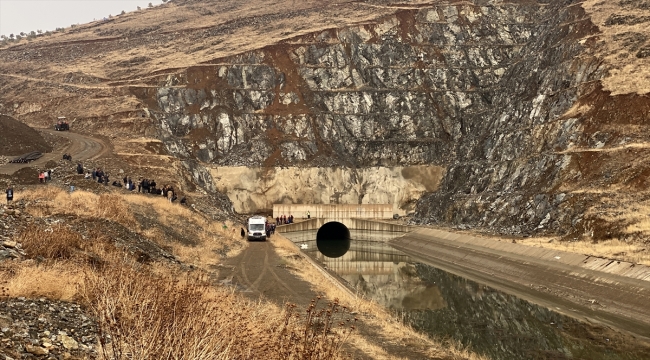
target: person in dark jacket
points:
(80, 169)
(10, 194)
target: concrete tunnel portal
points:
(333, 239)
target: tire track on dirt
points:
(81, 148)
(257, 281)
(254, 270)
(268, 268)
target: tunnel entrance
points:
(333, 239)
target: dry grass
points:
(147, 314)
(56, 242)
(206, 236)
(156, 312)
(372, 314)
(58, 281)
(629, 73)
(50, 200)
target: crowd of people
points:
(144, 186)
(270, 229)
(45, 176)
(284, 220)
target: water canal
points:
(443, 305)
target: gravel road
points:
(81, 148)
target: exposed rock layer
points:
(480, 89)
(254, 189)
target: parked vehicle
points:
(256, 228)
(61, 124)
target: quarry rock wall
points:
(488, 92)
(257, 189)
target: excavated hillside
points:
(516, 116)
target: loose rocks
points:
(44, 329)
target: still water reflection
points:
(444, 305)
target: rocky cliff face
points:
(255, 189)
(483, 90)
(523, 106)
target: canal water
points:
(443, 305)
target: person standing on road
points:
(10, 194)
(308, 215)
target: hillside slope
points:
(17, 138)
(535, 112)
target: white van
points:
(257, 228)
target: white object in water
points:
(304, 246)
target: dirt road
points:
(81, 148)
(560, 281)
(259, 271)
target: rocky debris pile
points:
(45, 329)
(10, 250)
(13, 218)
(17, 138)
(216, 205)
(3, 160)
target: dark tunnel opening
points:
(333, 239)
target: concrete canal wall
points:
(335, 211)
(352, 224)
(373, 225)
(607, 291)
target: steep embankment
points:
(525, 110)
(17, 138)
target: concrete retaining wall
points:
(606, 291)
(311, 224)
(335, 211)
(622, 268)
(352, 224)
(372, 225)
